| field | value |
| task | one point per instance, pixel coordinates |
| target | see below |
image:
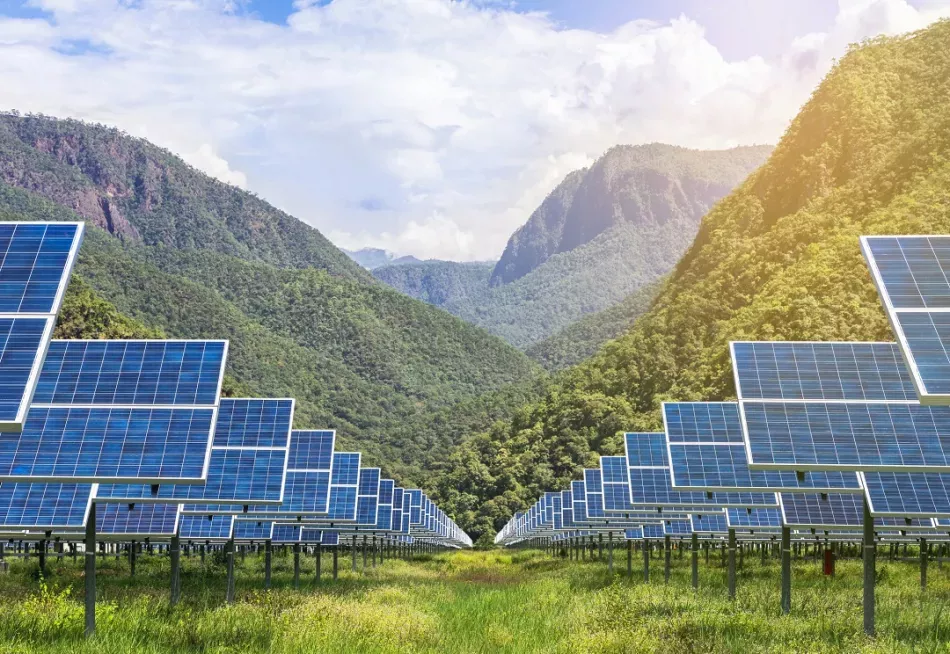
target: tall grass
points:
(494, 601)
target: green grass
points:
(495, 601)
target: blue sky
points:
(428, 127)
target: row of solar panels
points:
(138, 429)
(819, 432)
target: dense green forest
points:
(176, 251)
(582, 339)
(777, 259)
(601, 235)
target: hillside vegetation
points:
(777, 259)
(181, 253)
(600, 236)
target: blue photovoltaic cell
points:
(848, 436)
(251, 529)
(199, 527)
(21, 346)
(633, 534)
(677, 528)
(314, 536)
(33, 506)
(386, 489)
(139, 444)
(646, 450)
(366, 510)
(285, 533)
(910, 273)
(833, 510)
(369, 481)
(709, 523)
(311, 450)
(237, 472)
(592, 481)
(254, 423)
(702, 422)
(821, 371)
(305, 492)
(908, 493)
(35, 262)
(725, 467)
(942, 522)
(132, 373)
(141, 520)
(755, 519)
(653, 531)
(346, 468)
(342, 505)
(384, 517)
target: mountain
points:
(176, 251)
(582, 339)
(372, 258)
(600, 236)
(777, 259)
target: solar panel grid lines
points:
(820, 370)
(36, 261)
(910, 273)
(907, 494)
(251, 530)
(756, 519)
(247, 462)
(367, 496)
(206, 528)
(45, 506)
(137, 521)
(831, 511)
(677, 528)
(713, 522)
(102, 442)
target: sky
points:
(428, 127)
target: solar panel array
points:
(137, 429)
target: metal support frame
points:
(610, 552)
(91, 571)
(336, 563)
(353, 555)
(229, 551)
(268, 555)
(175, 555)
(923, 564)
(629, 559)
(694, 556)
(732, 564)
(786, 569)
(646, 560)
(870, 554)
(319, 561)
(668, 551)
(296, 566)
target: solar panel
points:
(756, 519)
(282, 533)
(653, 531)
(194, 527)
(367, 496)
(252, 529)
(44, 506)
(709, 523)
(141, 520)
(910, 273)
(307, 488)
(314, 536)
(847, 436)
(906, 494)
(139, 443)
(677, 528)
(36, 260)
(813, 370)
(248, 459)
(800, 510)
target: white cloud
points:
(430, 127)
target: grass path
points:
(471, 602)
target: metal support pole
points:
(229, 550)
(695, 561)
(600, 547)
(268, 554)
(646, 560)
(869, 569)
(336, 567)
(296, 566)
(364, 553)
(786, 570)
(667, 546)
(175, 553)
(91, 571)
(353, 557)
(610, 552)
(923, 564)
(732, 564)
(374, 551)
(41, 552)
(132, 559)
(319, 557)
(629, 559)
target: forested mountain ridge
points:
(399, 379)
(647, 186)
(145, 194)
(599, 237)
(778, 258)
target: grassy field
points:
(471, 602)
